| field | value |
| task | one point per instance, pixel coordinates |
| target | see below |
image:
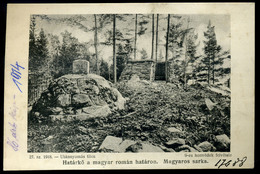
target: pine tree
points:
(54, 51)
(191, 51)
(38, 51)
(32, 45)
(176, 38)
(42, 53)
(69, 52)
(104, 69)
(211, 49)
(192, 46)
(176, 43)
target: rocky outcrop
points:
(78, 96)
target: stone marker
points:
(80, 66)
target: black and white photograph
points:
(129, 83)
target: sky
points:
(59, 24)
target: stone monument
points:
(80, 66)
(78, 96)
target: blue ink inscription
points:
(13, 141)
(16, 74)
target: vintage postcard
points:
(129, 86)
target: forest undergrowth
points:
(151, 109)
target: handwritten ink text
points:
(226, 163)
(13, 140)
(16, 74)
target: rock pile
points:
(78, 96)
(119, 145)
(221, 144)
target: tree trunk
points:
(209, 71)
(156, 42)
(166, 47)
(95, 45)
(135, 36)
(213, 71)
(114, 48)
(152, 36)
(184, 69)
(109, 74)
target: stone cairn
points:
(78, 96)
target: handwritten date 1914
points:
(16, 74)
(226, 163)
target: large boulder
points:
(79, 95)
(175, 142)
(116, 144)
(206, 146)
(184, 148)
(174, 130)
(222, 142)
